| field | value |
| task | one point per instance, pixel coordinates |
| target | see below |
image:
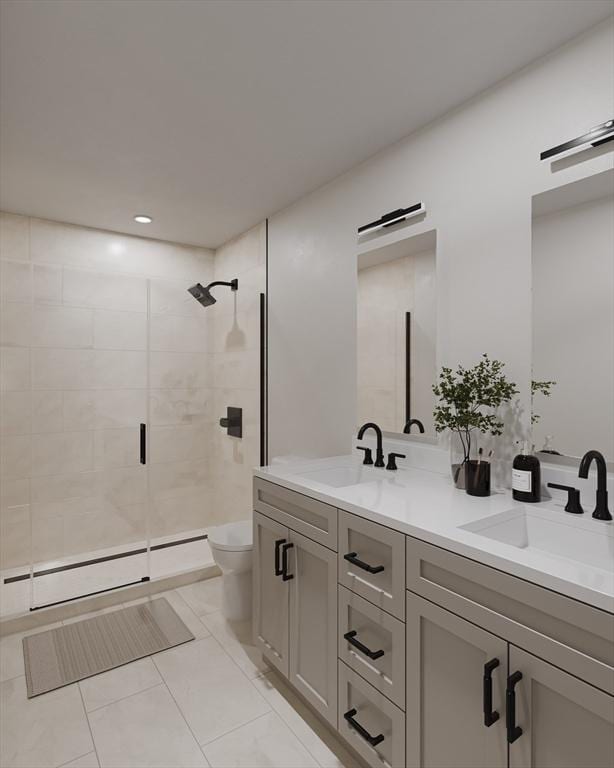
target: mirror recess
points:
(396, 331)
(573, 319)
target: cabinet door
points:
(271, 593)
(313, 624)
(447, 691)
(565, 722)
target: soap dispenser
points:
(526, 476)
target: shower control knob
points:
(233, 421)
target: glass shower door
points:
(120, 484)
(180, 424)
(89, 498)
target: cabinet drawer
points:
(372, 562)
(312, 518)
(377, 631)
(565, 632)
(373, 717)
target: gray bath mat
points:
(75, 651)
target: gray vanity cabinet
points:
(270, 594)
(295, 595)
(429, 643)
(447, 660)
(565, 722)
(313, 624)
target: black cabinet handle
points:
(285, 576)
(372, 740)
(351, 557)
(490, 717)
(513, 731)
(143, 444)
(351, 638)
(278, 543)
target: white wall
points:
(573, 327)
(476, 170)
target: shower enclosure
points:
(121, 465)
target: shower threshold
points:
(101, 571)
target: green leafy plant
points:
(539, 387)
(468, 399)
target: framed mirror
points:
(573, 319)
(396, 335)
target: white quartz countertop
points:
(427, 506)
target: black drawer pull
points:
(351, 638)
(490, 717)
(372, 740)
(285, 576)
(351, 557)
(278, 543)
(513, 731)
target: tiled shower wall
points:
(236, 371)
(74, 383)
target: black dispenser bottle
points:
(526, 476)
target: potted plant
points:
(468, 400)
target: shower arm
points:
(233, 284)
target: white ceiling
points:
(212, 115)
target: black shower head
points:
(202, 293)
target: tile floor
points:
(209, 702)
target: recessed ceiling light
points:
(142, 219)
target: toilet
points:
(231, 546)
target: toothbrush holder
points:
(477, 478)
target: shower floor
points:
(17, 597)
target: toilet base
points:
(237, 595)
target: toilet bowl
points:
(231, 546)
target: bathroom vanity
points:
(434, 629)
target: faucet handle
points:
(392, 457)
(368, 454)
(573, 498)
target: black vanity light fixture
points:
(394, 217)
(598, 135)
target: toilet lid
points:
(234, 537)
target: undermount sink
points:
(537, 531)
(340, 477)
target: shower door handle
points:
(143, 443)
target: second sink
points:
(541, 531)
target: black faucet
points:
(409, 425)
(379, 453)
(601, 509)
